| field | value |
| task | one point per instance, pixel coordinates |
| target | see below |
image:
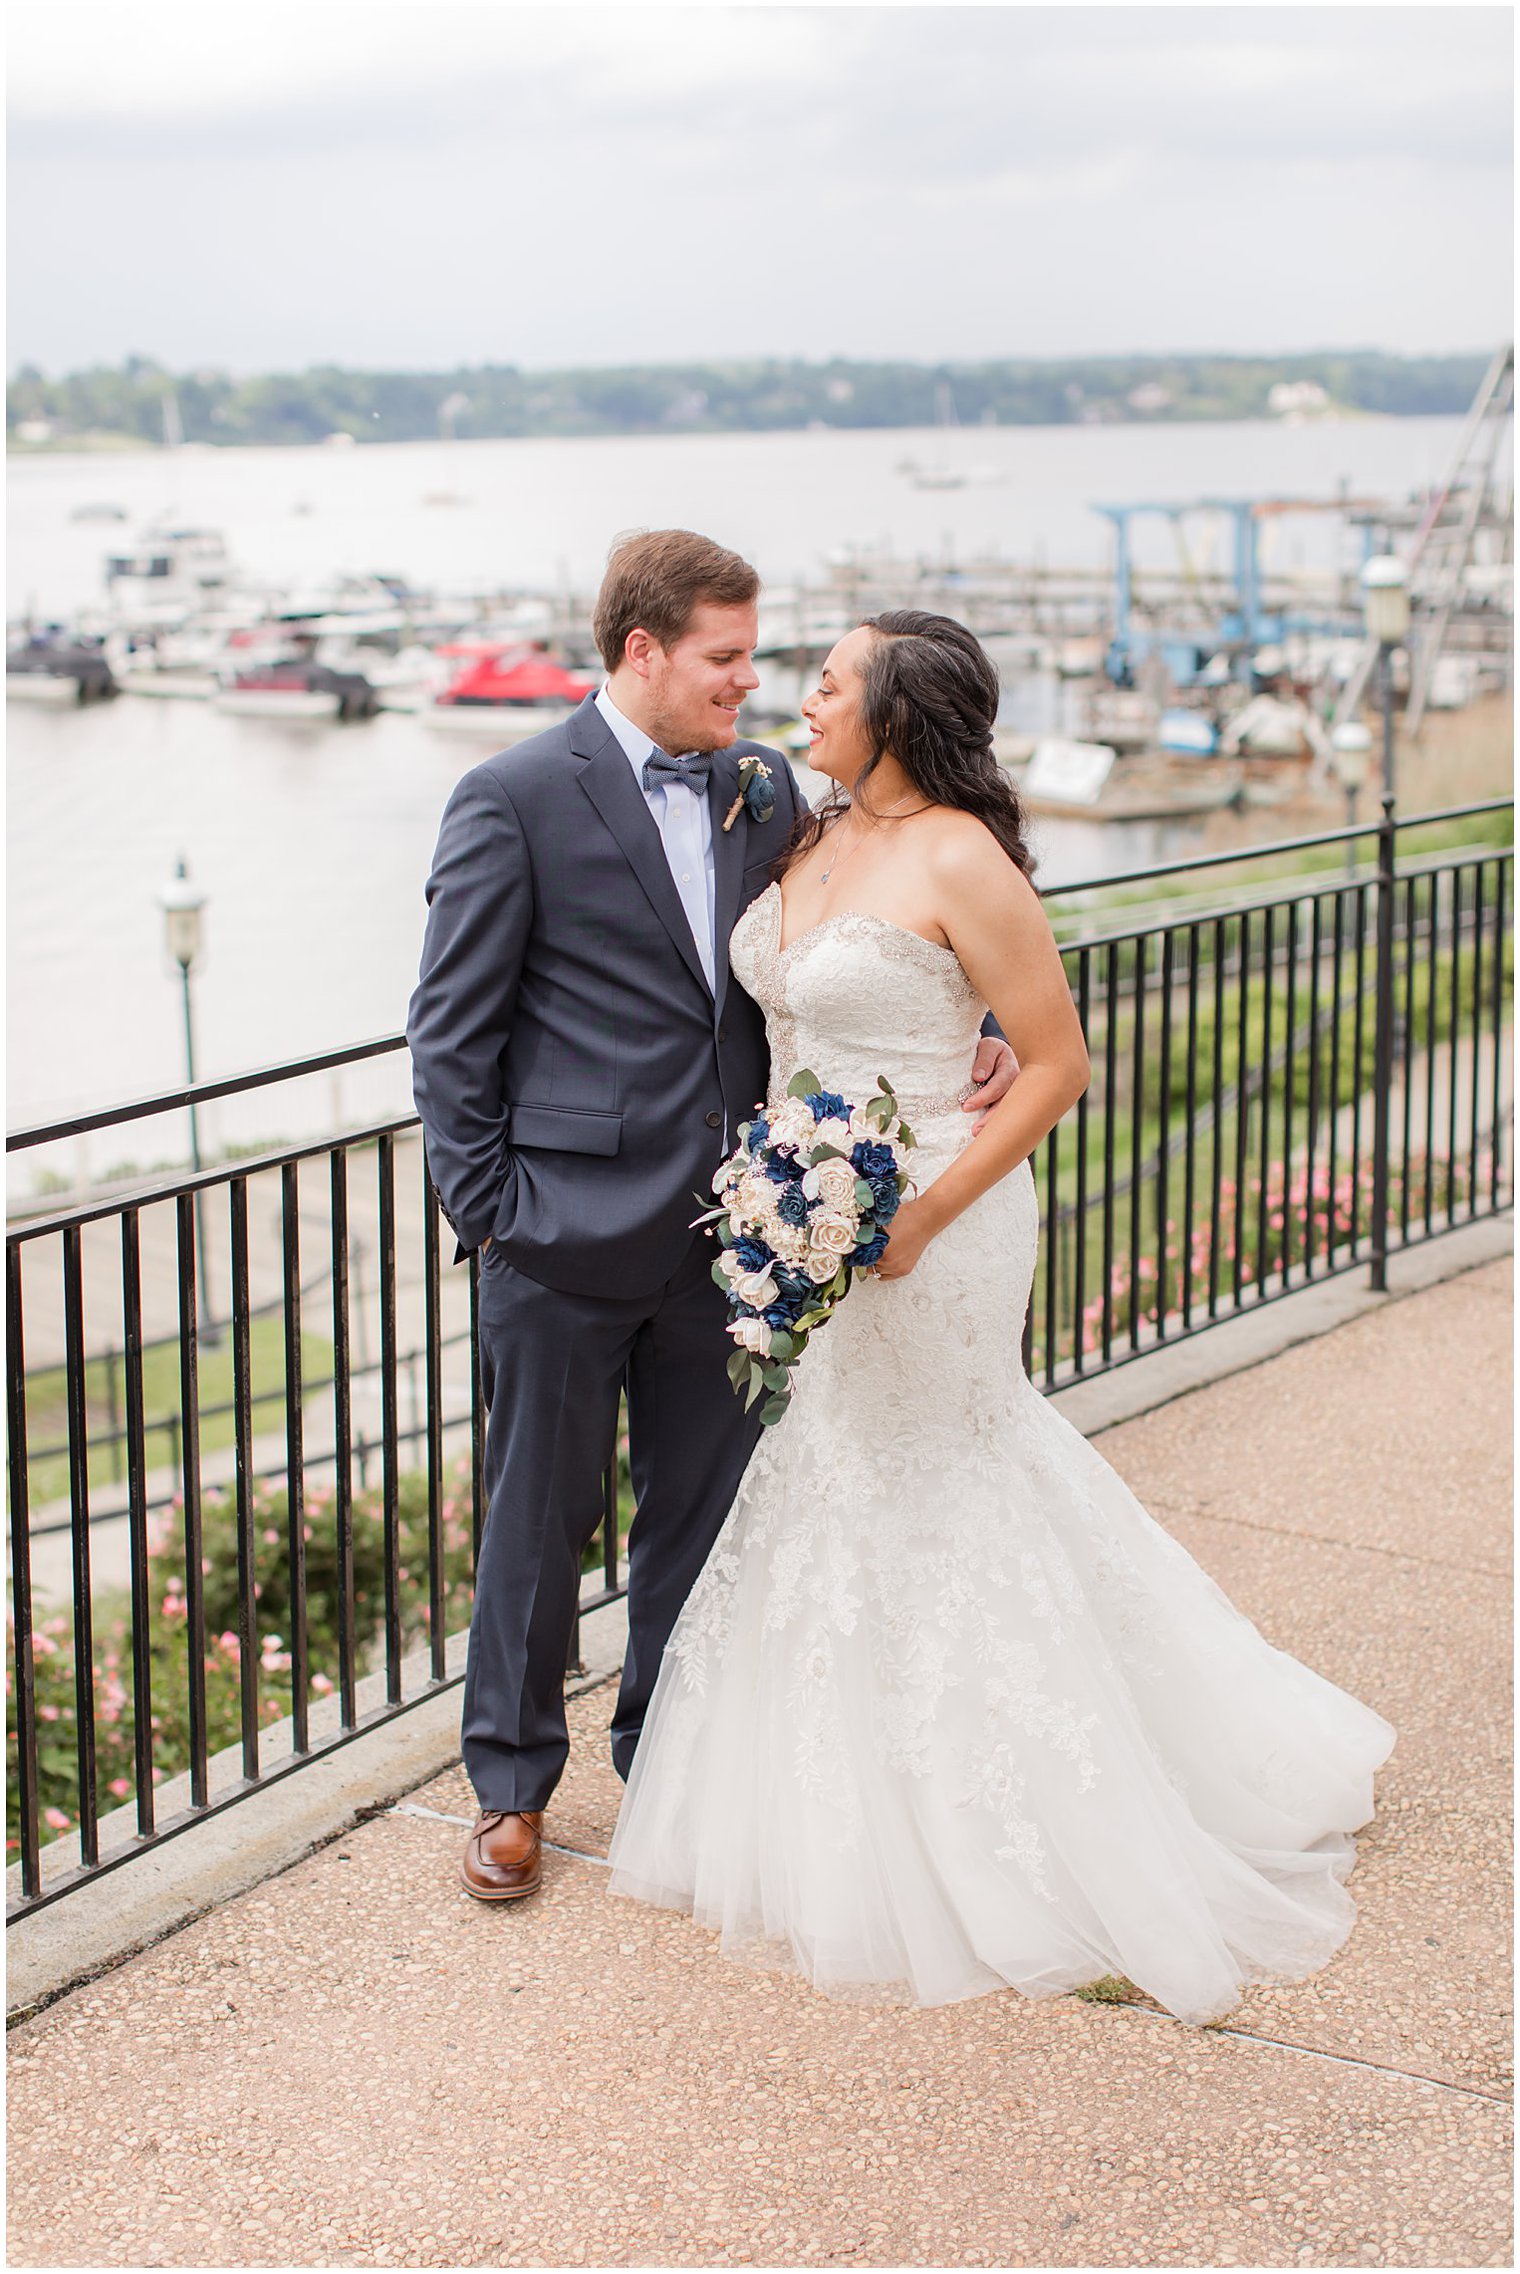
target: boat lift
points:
(1246, 623)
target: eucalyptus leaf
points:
(863, 1193)
(775, 1377)
(905, 1133)
(804, 1084)
(825, 1153)
(771, 1412)
(782, 1344)
(720, 1277)
(756, 1385)
(738, 1367)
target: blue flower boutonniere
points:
(755, 793)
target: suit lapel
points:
(728, 862)
(609, 781)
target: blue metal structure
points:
(1245, 626)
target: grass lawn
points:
(47, 1419)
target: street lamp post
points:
(182, 904)
(1351, 751)
(1385, 588)
(1385, 594)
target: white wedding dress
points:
(946, 1709)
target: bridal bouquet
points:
(803, 1203)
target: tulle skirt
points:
(948, 1711)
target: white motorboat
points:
(267, 699)
(42, 687)
(168, 685)
(58, 673)
(168, 574)
(505, 723)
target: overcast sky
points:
(264, 187)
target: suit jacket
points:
(574, 1073)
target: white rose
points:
(753, 1200)
(821, 1268)
(833, 1235)
(729, 1265)
(791, 1123)
(836, 1185)
(810, 1185)
(752, 1334)
(757, 1288)
(859, 1125)
(832, 1131)
(724, 1176)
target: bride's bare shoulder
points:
(963, 856)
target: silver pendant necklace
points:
(847, 850)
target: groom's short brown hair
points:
(655, 582)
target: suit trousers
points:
(553, 1365)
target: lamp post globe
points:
(1385, 598)
(1351, 755)
(182, 902)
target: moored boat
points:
(510, 691)
(59, 673)
(296, 690)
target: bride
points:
(947, 1710)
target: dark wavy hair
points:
(930, 696)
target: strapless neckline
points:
(846, 916)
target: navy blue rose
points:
(759, 1131)
(785, 1168)
(753, 1254)
(791, 1207)
(869, 1251)
(796, 1288)
(827, 1105)
(759, 798)
(874, 1161)
(885, 1198)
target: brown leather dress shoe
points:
(503, 1855)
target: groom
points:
(581, 1061)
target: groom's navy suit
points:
(578, 1082)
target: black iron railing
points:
(1291, 1079)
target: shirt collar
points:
(636, 743)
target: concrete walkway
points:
(355, 2065)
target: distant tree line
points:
(141, 402)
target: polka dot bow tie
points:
(694, 770)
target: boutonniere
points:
(755, 792)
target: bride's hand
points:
(906, 1241)
(993, 1070)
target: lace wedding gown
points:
(946, 1709)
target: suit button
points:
(715, 1121)
(723, 1034)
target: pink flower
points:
(57, 1819)
(321, 1684)
(119, 1786)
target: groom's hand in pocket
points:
(993, 1070)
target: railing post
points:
(1382, 1062)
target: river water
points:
(312, 842)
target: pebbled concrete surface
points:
(355, 2065)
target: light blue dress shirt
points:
(684, 821)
